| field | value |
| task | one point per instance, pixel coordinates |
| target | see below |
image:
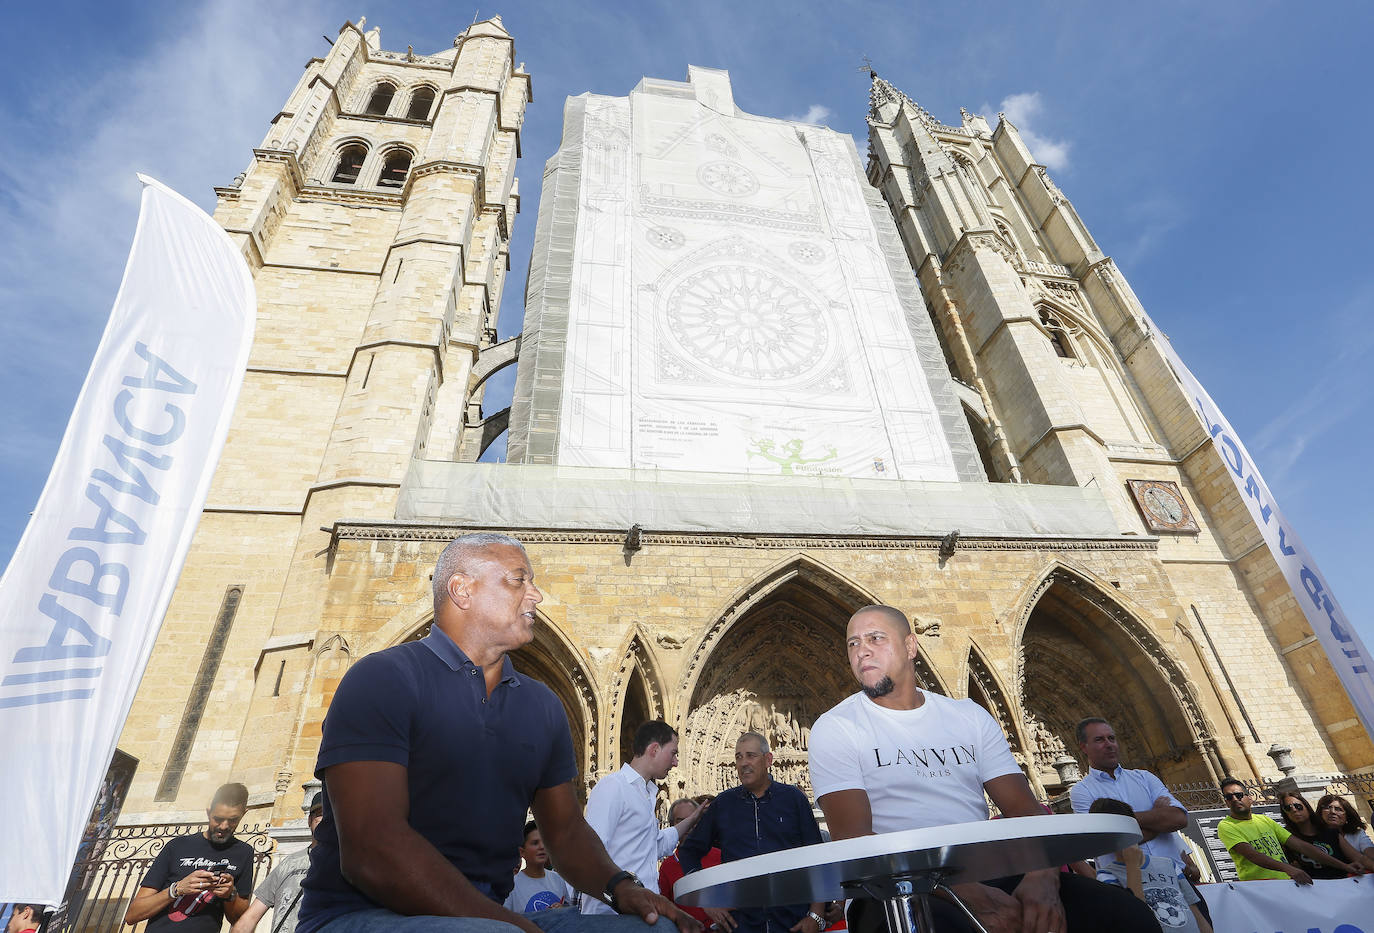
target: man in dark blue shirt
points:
(432, 751)
(761, 815)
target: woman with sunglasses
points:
(1299, 820)
(1337, 812)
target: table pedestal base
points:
(906, 899)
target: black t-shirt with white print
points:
(203, 912)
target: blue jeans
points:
(558, 920)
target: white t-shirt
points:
(531, 894)
(1358, 841)
(1162, 881)
(920, 767)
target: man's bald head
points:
(899, 621)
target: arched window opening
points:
(1059, 335)
(1007, 235)
(420, 102)
(380, 101)
(395, 169)
(350, 164)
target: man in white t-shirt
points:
(894, 757)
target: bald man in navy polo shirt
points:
(432, 751)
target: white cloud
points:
(816, 113)
(1023, 110)
(186, 112)
(184, 106)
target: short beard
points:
(881, 689)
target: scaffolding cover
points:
(714, 292)
(500, 495)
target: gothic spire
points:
(884, 101)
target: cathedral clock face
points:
(1162, 506)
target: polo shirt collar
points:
(748, 794)
(447, 650)
(1116, 775)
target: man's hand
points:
(721, 917)
(224, 887)
(1298, 875)
(685, 827)
(633, 898)
(995, 909)
(1041, 910)
(833, 913)
(196, 882)
(808, 923)
(1190, 870)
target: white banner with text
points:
(83, 598)
(1333, 630)
(1343, 906)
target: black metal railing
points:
(108, 879)
(1357, 788)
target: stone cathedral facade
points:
(1084, 556)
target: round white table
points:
(903, 869)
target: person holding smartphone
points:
(198, 880)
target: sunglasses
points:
(1294, 806)
(1334, 806)
(1235, 796)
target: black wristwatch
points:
(615, 881)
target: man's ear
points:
(459, 589)
(913, 645)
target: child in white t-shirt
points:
(1156, 880)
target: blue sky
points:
(1218, 151)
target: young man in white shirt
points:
(893, 757)
(621, 810)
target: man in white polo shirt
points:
(621, 810)
(895, 757)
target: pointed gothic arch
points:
(637, 695)
(985, 688)
(771, 663)
(1086, 651)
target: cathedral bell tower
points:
(1071, 387)
(375, 216)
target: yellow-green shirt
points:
(1261, 832)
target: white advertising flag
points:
(1333, 630)
(83, 597)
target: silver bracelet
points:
(820, 921)
(172, 890)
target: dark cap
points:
(317, 804)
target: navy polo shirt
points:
(472, 762)
(741, 825)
